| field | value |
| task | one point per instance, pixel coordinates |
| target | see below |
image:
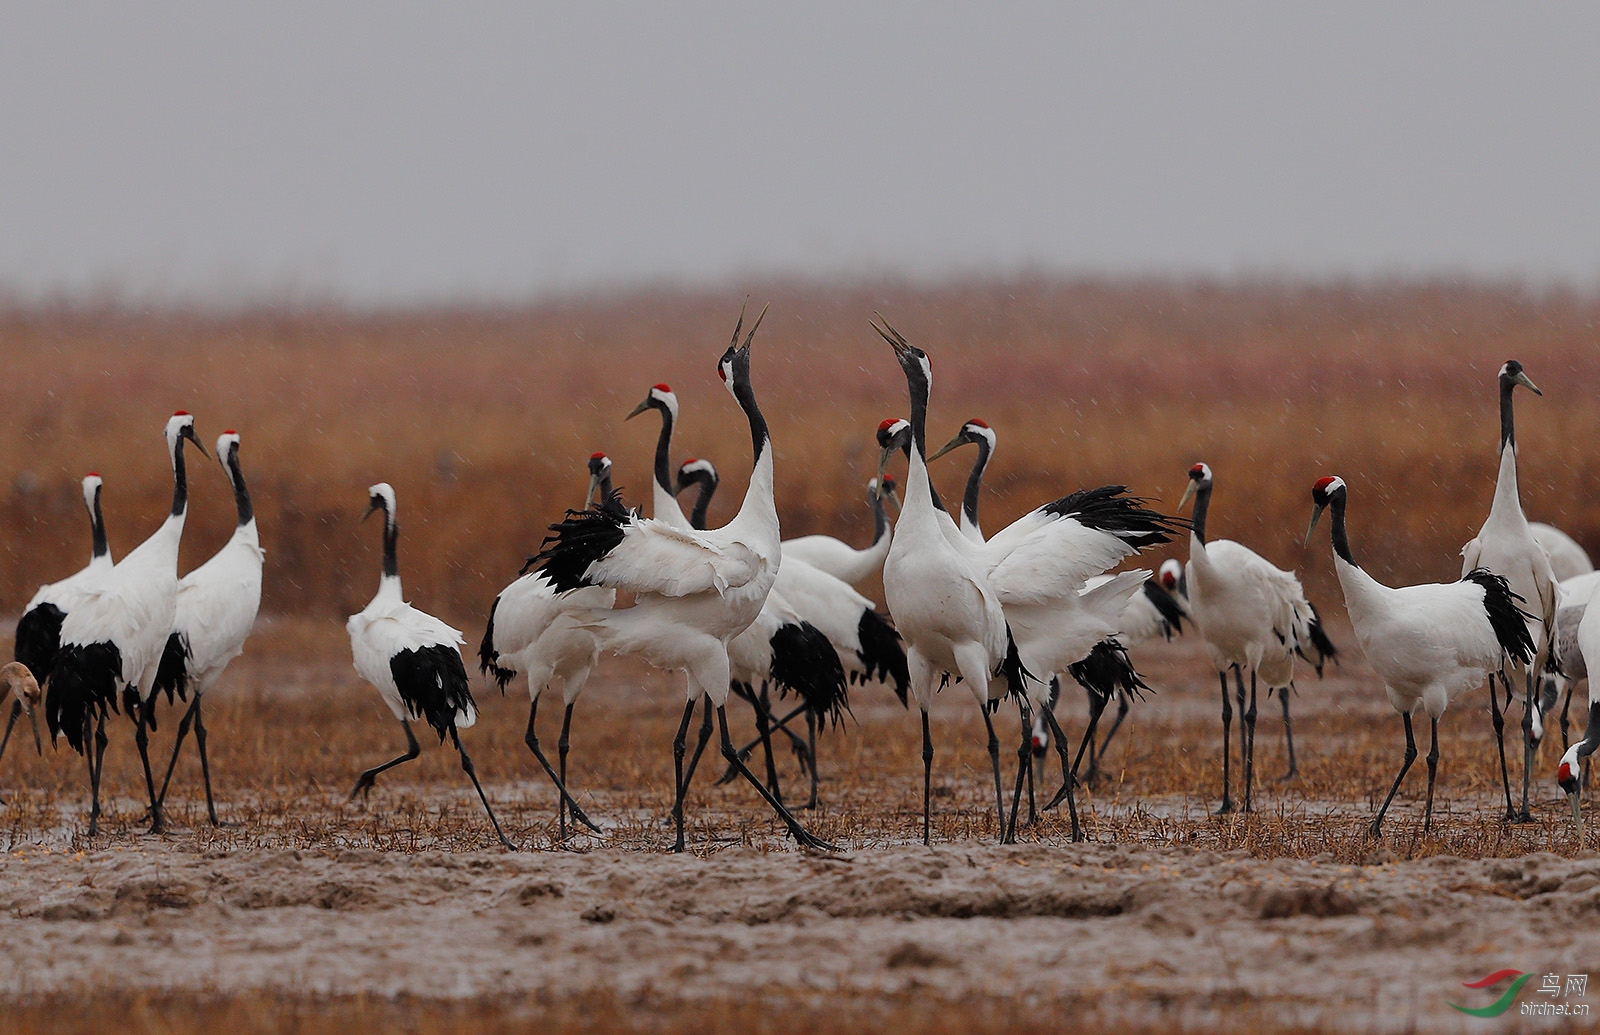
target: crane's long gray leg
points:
(764, 731)
(1411, 756)
(927, 777)
(1227, 744)
(1500, 737)
(141, 739)
(1068, 777)
(700, 745)
(94, 777)
(562, 745)
(1249, 726)
(183, 731)
(1523, 815)
(472, 774)
(365, 781)
(531, 738)
(1116, 724)
(205, 761)
(799, 832)
(775, 725)
(1433, 771)
(1288, 735)
(1024, 768)
(994, 763)
(679, 747)
(100, 742)
(811, 745)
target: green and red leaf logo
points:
(1501, 1005)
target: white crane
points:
(1429, 644)
(1506, 546)
(217, 605)
(1253, 615)
(18, 683)
(532, 630)
(1570, 771)
(414, 661)
(39, 628)
(663, 501)
(694, 591)
(951, 620)
(1567, 558)
(1573, 666)
(112, 639)
(840, 559)
(866, 646)
(1041, 567)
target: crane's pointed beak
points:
(1315, 514)
(895, 499)
(372, 508)
(884, 453)
(33, 720)
(1527, 382)
(638, 409)
(748, 338)
(954, 443)
(189, 434)
(1577, 815)
(1188, 494)
(594, 484)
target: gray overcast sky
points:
(406, 152)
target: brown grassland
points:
(482, 418)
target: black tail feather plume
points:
(1126, 517)
(883, 655)
(803, 660)
(1015, 673)
(1107, 671)
(488, 656)
(584, 537)
(433, 684)
(38, 639)
(83, 683)
(1171, 614)
(172, 674)
(1320, 643)
(1509, 621)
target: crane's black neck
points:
(605, 486)
(1202, 503)
(917, 386)
(1341, 542)
(391, 539)
(241, 493)
(664, 450)
(180, 481)
(97, 527)
(880, 518)
(969, 503)
(697, 517)
(746, 396)
(1508, 429)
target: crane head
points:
(1569, 777)
(695, 471)
(893, 433)
(380, 497)
(17, 681)
(1511, 375)
(1199, 478)
(180, 426)
(1171, 571)
(1323, 492)
(973, 432)
(734, 366)
(661, 398)
(599, 469)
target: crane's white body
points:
(217, 604)
(1567, 558)
(387, 626)
(1250, 612)
(63, 593)
(538, 633)
(1140, 620)
(838, 558)
(827, 602)
(1577, 589)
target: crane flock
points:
(741, 611)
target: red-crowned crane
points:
(663, 501)
(1429, 644)
(694, 591)
(1506, 546)
(532, 629)
(112, 639)
(839, 558)
(1567, 558)
(39, 628)
(217, 605)
(414, 661)
(1570, 771)
(1253, 615)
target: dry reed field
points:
(307, 914)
